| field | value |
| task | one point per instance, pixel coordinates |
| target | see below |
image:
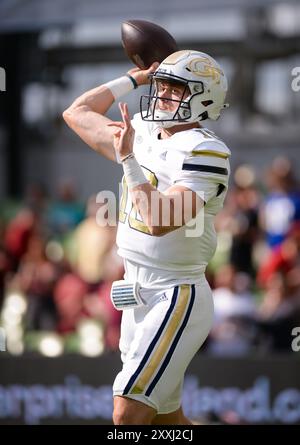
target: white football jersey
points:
(196, 159)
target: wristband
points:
(131, 155)
(133, 173)
(121, 86)
(135, 85)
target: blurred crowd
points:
(57, 264)
(255, 274)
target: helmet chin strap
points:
(160, 116)
(165, 119)
(162, 121)
(174, 123)
(169, 124)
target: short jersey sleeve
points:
(206, 171)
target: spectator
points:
(279, 312)
(5, 269)
(279, 277)
(283, 258)
(281, 207)
(235, 311)
(36, 276)
(36, 199)
(245, 216)
(69, 295)
(237, 224)
(66, 213)
(18, 233)
(92, 242)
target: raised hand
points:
(124, 135)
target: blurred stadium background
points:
(58, 330)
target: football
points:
(145, 42)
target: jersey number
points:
(134, 220)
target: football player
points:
(175, 177)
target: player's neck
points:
(168, 132)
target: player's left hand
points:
(124, 135)
(142, 77)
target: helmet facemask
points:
(181, 114)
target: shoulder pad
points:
(210, 145)
(200, 142)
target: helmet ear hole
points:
(205, 103)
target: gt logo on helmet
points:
(203, 67)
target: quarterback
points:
(174, 171)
